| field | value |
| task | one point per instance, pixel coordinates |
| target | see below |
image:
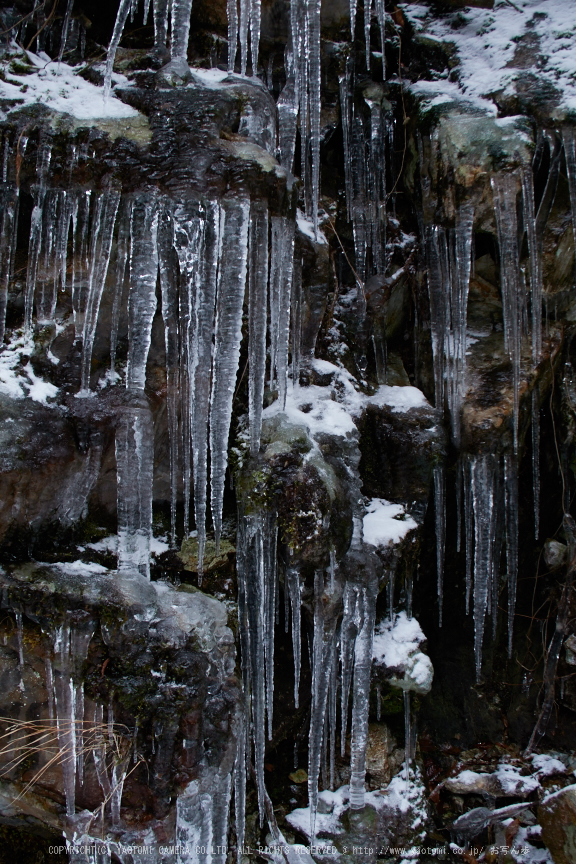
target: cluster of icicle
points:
(341, 657)
(365, 174)
(490, 485)
(300, 98)
(218, 248)
(77, 735)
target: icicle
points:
(296, 309)
(458, 505)
(292, 578)
(505, 188)
(243, 29)
(251, 612)
(122, 251)
(366, 615)
(134, 465)
(143, 279)
(440, 513)
(269, 548)
(345, 82)
(171, 318)
(201, 360)
(180, 30)
(104, 220)
(257, 315)
(228, 333)
(305, 33)
(281, 269)
(8, 227)
(240, 780)
(437, 256)
(570, 153)
(188, 240)
(469, 530)
(407, 736)
(535, 263)
(42, 165)
(353, 8)
(367, 21)
(70, 651)
(232, 8)
(313, 16)
(323, 648)
(536, 461)
(378, 703)
(287, 108)
(482, 478)
(65, 27)
(255, 16)
(511, 510)
(160, 10)
(121, 18)
(332, 701)
(455, 350)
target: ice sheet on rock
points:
(227, 337)
(385, 523)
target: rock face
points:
(133, 684)
(286, 312)
(557, 815)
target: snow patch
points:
(18, 380)
(81, 568)
(386, 523)
(59, 86)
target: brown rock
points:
(557, 816)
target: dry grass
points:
(58, 742)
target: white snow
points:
(522, 850)
(59, 86)
(158, 545)
(107, 544)
(386, 523)
(485, 42)
(513, 782)
(547, 765)
(400, 399)
(396, 646)
(18, 380)
(400, 796)
(306, 227)
(314, 408)
(82, 568)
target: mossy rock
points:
(212, 561)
